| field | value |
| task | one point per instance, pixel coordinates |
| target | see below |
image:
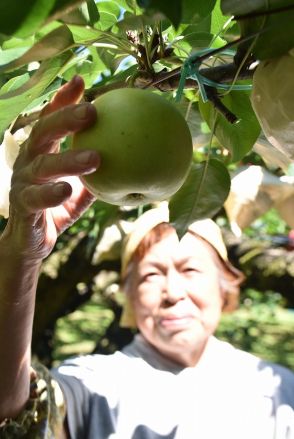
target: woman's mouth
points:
(172, 321)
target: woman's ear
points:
(230, 292)
(223, 289)
(128, 319)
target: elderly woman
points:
(175, 380)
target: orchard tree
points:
(200, 54)
(226, 64)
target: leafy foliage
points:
(238, 137)
(261, 326)
(206, 187)
(265, 18)
(122, 43)
(147, 44)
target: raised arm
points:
(42, 205)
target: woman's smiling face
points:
(177, 297)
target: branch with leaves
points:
(163, 81)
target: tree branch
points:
(256, 14)
(169, 81)
(217, 103)
(163, 81)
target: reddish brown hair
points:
(230, 282)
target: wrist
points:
(11, 256)
(18, 276)
(15, 252)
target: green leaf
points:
(117, 80)
(127, 5)
(79, 16)
(50, 46)
(45, 30)
(171, 9)
(15, 83)
(196, 40)
(9, 55)
(240, 137)
(16, 43)
(46, 95)
(111, 58)
(217, 19)
(84, 35)
(267, 44)
(134, 22)
(64, 7)
(195, 11)
(240, 7)
(109, 14)
(23, 18)
(201, 196)
(89, 68)
(276, 29)
(93, 12)
(83, 15)
(12, 103)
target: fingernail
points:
(75, 79)
(59, 189)
(83, 157)
(81, 111)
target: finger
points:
(52, 128)
(80, 198)
(70, 93)
(46, 167)
(35, 198)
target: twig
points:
(224, 74)
(217, 103)
(94, 92)
(166, 81)
(263, 13)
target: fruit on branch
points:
(145, 147)
(273, 101)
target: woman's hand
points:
(46, 194)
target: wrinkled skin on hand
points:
(46, 194)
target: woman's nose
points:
(174, 288)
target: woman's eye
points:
(150, 276)
(190, 270)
